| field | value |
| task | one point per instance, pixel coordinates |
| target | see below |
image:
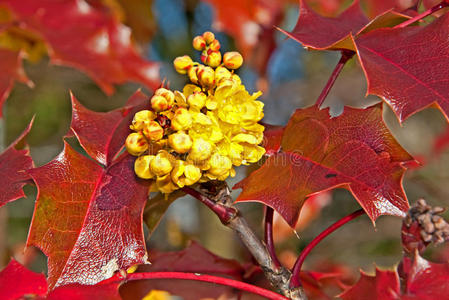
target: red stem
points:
(345, 56)
(428, 12)
(295, 282)
(224, 213)
(269, 212)
(208, 278)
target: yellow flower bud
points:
(197, 100)
(160, 164)
(142, 166)
(167, 94)
(141, 118)
(213, 59)
(136, 143)
(153, 131)
(182, 64)
(182, 120)
(209, 37)
(206, 76)
(222, 73)
(245, 138)
(199, 43)
(192, 74)
(185, 174)
(180, 142)
(159, 103)
(252, 154)
(219, 165)
(192, 174)
(201, 150)
(165, 184)
(214, 45)
(232, 60)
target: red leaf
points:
(13, 170)
(103, 135)
(318, 32)
(272, 138)
(88, 220)
(376, 7)
(408, 67)
(105, 290)
(192, 259)
(10, 70)
(421, 280)
(354, 151)
(88, 38)
(383, 286)
(17, 281)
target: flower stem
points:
(208, 278)
(269, 213)
(428, 12)
(294, 282)
(345, 56)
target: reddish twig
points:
(345, 56)
(224, 213)
(294, 281)
(269, 213)
(208, 278)
(428, 12)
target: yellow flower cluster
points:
(201, 133)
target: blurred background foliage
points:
(289, 76)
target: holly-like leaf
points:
(10, 71)
(318, 32)
(377, 7)
(13, 170)
(192, 259)
(408, 67)
(420, 279)
(354, 151)
(336, 33)
(87, 37)
(88, 220)
(17, 281)
(103, 135)
(383, 286)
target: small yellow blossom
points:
(202, 132)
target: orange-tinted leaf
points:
(14, 165)
(408, 67)
(103, 135)
(10, 70)
(17, 281)
(86, 37)
(272, 137)
(88, 220)
(192, 259)
(354, 150)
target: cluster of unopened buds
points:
(201, 133)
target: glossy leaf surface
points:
(355, 151)
(88, 220)
(408, 67)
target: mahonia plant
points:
(203, 132)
